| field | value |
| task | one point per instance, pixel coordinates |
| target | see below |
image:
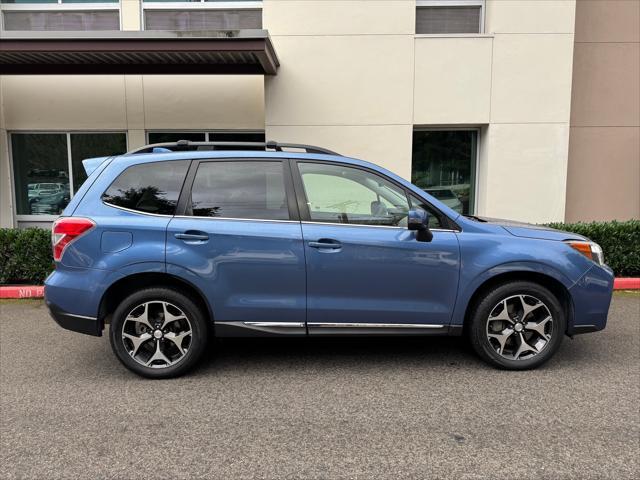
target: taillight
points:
(65, 231)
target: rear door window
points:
(240, 189)
(148, 187)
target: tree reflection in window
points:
(149, 187)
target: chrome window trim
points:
(236, 219)
(135, 211)
(306, 222)
(374, 325)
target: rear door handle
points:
(192, 236)
(326, 244)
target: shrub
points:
(620, 242)
(25, 255)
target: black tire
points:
(196, 319)
(484, 306)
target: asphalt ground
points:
(318, 408)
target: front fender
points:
(467, 290)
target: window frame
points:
(447, 224)
(454, 3)
(67, 133)
(61, 7)
(185, 195)
(198, 5)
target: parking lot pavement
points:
(321, 408)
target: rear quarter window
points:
(148, 187)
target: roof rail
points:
(187, 145)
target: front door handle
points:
(326, 244)
(192, 236)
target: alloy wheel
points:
(519, 327)
(157, 334)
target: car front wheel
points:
(517, 326)
(158, 333)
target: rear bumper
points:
(73, 322)
(591, 299)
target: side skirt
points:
(293, 329)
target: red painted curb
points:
(37, 291)
(626, 284)
(22, 291)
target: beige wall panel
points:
(530, 16)
(204, 101)
(339, 17)
(453, 80)
(345, 80)
(608, 21)
(136, 138)
(606, 87)
(527, 170)
(64, 102)
(388, 146)
(531, 78)
(134, 95)
(130, 13)
(604, 174)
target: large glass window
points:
(247, 189)
(444, 164)
(44, 163)
(449, 16)
(149, 187)
(340, 194)
(88, 145)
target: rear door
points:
(238, 238)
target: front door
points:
(366, 272)
(240, 242)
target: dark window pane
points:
(59, 21)
(149, 187)
(435, 221)
(240, 190)
(444, 166)
(90, 145)
(339, 194)
(237, 137)
(41, 173)
(457, 19)
(164, 137)
(218, 19)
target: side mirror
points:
(418, 220)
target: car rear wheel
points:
(517, 326)
(158, 333)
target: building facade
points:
(471, 99)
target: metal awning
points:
(248, 52)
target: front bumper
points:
(591, 299)
(76, 323)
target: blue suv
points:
(173, 243)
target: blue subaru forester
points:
(174, 242)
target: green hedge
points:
(619, 240)
(25, 255)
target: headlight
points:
(591, 250)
